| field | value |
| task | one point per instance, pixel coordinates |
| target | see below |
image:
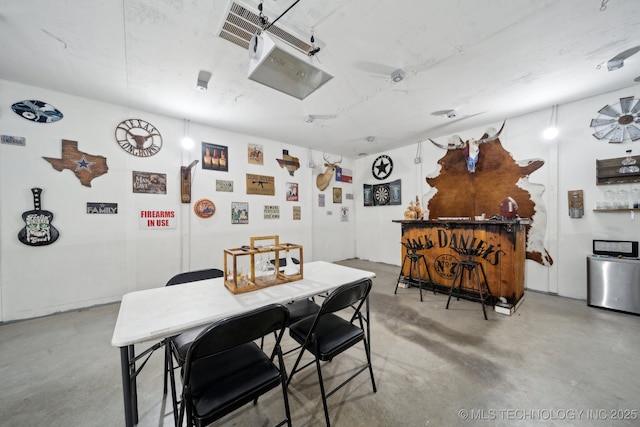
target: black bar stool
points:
(414, 258)
(482, 294)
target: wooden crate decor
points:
(257, 266)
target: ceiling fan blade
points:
(627, 53)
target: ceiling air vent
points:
(241, 24)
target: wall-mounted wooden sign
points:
(149, 182)
(287, 161)
(102, 208)
(576, 205)
(297, 213)
(261, 184)
(85, 166)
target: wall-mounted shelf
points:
(608, 172)
(631, 210)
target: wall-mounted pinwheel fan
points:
(618, 122)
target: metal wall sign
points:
(271, 212)
(102, 208)
(13, 140)
(149, 182)
(225, 186)
(157, 219)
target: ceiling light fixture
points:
(308, 119)
(397, 76)
(371, 138)
(203, 80)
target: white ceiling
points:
(486, 59)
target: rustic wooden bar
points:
(500, 245)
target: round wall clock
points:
(382, 167)
(382, 195)
(204, 208)
(37, 111)
(617, 122)
(138, 137)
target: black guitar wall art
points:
(38, 230)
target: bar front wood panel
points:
(498, 245)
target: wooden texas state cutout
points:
(461, 193)
(85, 166)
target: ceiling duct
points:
(241, 24)
(280, 67)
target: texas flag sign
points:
(344, 175)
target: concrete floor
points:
(556, 361)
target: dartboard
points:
(382, 195)
(617, 122)
(382, 167)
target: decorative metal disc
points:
(138, 137)
(204, 208)
(382, 167)
(37, 111)
(618, 122)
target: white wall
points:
(98, 258)
(570, 164)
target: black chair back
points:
(224, 369)
(231, 332)
(194, 276)
(352, 294)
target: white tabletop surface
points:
(157, 313)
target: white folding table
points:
(157, 313)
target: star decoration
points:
(382, 167)
(83, 164)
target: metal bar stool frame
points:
(414, 263)
(483, 297)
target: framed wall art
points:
(149, 182)
(239, 213)
(292, 191)
(255, 154)
(215, 157)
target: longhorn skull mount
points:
(471, 147)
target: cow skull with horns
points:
(471, 147)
